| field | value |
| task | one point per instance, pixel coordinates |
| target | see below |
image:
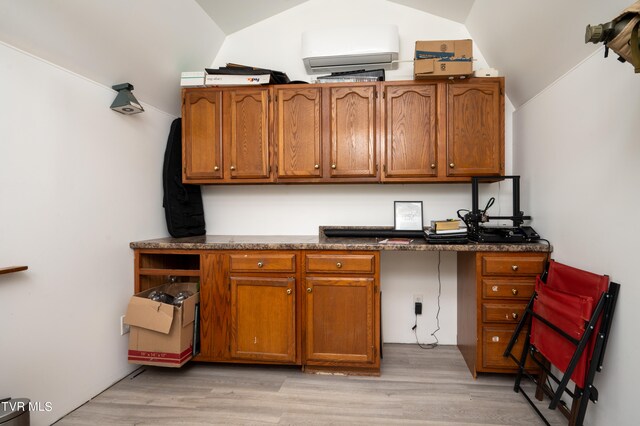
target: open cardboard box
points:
(443, 58)
(162, 334)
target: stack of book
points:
(352, 76)
(448, 231)
(234, 74)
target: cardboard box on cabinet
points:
(443, 58)
(162, 334)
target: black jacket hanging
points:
(182, 203)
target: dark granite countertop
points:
(321, 242)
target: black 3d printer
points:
(474, 219)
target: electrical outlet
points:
(418, 308)
(417, 298)
(124, 328)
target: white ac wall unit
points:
(352, 48)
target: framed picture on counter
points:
(408, 216)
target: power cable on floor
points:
(415, 326)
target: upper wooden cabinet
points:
(202, 135)
(326, 133)
(410, 130)
(475, 128)
(398, 131)
(298, 133)
(353, 132)
(247, 138)
(225, 135)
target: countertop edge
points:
(353, 244)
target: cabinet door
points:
(249, 134)
(202, 135)
(298, 123)
(475, 129)
(353, 132)
(410, 131)
(340, 320)
(263, 319)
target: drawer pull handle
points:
(338, 265)
(288, 291)
(495, 339)
(514, 316)
(308, 289)
(514, 291)
(260, 264)
(514, 267)
(494, 288)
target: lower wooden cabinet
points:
(339, 320)
(493, 290)
(263, 321)
(317, 309)
(342, 311)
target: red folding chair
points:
(569, 318)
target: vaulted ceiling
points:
(149, 42)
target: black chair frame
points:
(604, 309)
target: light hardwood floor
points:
(417, 386)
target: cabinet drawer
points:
(513, 265)
(502, 312)
(495, 341)
(353, 263)
(262, 262)
(508, 288)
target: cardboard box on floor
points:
(443, 58)
(161, 334)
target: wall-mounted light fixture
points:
(619, 35)
(125, 102)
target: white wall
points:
(577, 144)
(290, 209)
(78, 182)
(145, 42)
(275, 42)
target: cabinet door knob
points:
(260, 264)
(514, 291)
(233, 167)
(308, 289)
(338, 265)
(514, 267)
(288, 291)
(433, 166)
(452, 165)
(216, 168)
(514, 316)
(333, 166)
(317, 166)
